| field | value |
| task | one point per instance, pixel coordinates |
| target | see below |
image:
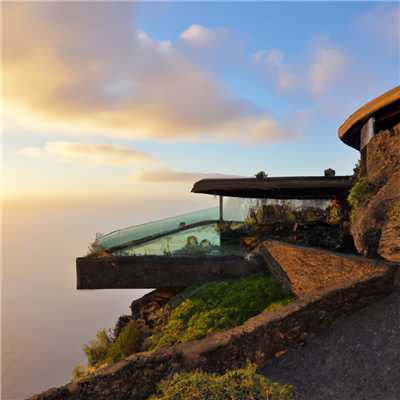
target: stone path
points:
(356, 359)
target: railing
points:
(137, 236)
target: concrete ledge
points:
(261, 339)
(162, 271)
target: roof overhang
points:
(314, 187)
(385, 106)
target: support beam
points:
(221, 209)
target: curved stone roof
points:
(382, 107)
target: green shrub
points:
(96, 352)
(127, 343)
(360, 192)
(110, 349)
(242, 384)
(220, 305)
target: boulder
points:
(376, 224)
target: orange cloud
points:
(101, 154)
(166, 174)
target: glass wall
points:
(200, 240)
(132, 233)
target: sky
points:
(112, 110)
(142, 99)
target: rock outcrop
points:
(376, 224)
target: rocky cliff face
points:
(376, 224)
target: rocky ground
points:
(356, 359)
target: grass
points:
(221, 305)
(242, 384)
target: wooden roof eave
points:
(349, 132)
(277, 188)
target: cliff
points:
(376, 224)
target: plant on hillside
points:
(360, 192)
(122, 321)
(242, 384)
(79, 372)
(127, 343)
(357, 169)
(96, 352)
(220, 305)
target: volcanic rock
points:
(376, 224)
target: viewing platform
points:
(190, 249)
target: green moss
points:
(220, 305)
(242, 384)
(279, 303)
(360, 193)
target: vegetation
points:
(220, 305)
(360, 193)
(193, 313)
(242, 384)
(108, 348)
(96, 352)
(79, 372)
(357, 169)
(126, 344)
(95, 247)
(261, 175)
(336, 216)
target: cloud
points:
(86, 66)
(200, 35)
(324, 67)
(382, 26)
(166, 174)
(100, 154)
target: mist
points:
(45, 320)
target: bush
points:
(335, 213)
(109, 349)
(96, 352)
(360, 192)
(79, 372)
(220, 305)
(242, 384)
(123, 320)
(127, 343)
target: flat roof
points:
(307, 187)
(384, 106)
